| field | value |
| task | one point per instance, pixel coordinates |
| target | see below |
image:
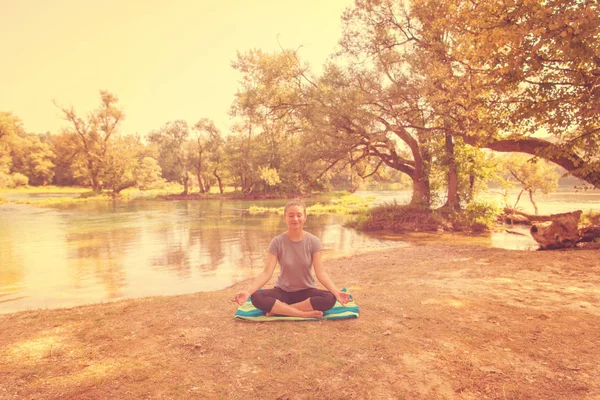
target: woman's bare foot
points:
(280, 308)
(307, 314)
(314, 314)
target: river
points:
(104, 251)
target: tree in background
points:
(171, 141)
(532, 66)
(317, 124)
(218, 160)
(123, 159)
(484, 74)
(33, 158)
(69, 166)
(203, 154)
(24, 158)
(532, 174)
(10, 125)
(148, 174)
(92, 137)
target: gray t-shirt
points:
(295, 261)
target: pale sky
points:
(163, 59)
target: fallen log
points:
(556, 231)
(516, 219)
(589, 233)
(559, 232)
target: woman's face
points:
(294, 217)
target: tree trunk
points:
(206, 185)
(471, 186)
(519, 198)
(452, 202)
(421, 195)
(185, 180)
(201, 186)
(535, 207)
(121, 187)
(218, 180)
(96, 186)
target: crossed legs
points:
(306, 303)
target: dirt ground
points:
(437, 322)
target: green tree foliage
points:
(148, 173)
(540, 61)
(123, 158)
(305, 127)
(204, 154)
(33, 158)
(24, 158)
(91, 138)
(70, 167)
(172, 143)
(497, 73)
(376, 125)
(269, 176)
(237, 149)
(9, 126)
(428, 99)
(531, 174)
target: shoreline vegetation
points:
(478, 217)
(437, 322)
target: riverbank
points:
(437, 322)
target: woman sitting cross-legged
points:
(295, 293)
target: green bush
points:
(13, 181)
(590, 218)
(399, 218)
(477, 217)
(20, 180)
(6, 181)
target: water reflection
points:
(12, 277)
(100, 251)
(96, 255)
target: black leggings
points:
(319, 299)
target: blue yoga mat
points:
(250, 313)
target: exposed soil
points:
(437, 322)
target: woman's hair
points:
(295, 202)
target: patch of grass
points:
(61, 202)
(86, 195)
(151, 193)
(398, 218)
(46, 189)
(265, 210)
(345, 205)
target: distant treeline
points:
(423, 94)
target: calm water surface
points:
(106, 251)
(103, 251)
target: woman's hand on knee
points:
(342, 297)
(241, 298)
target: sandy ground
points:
(437, 322)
